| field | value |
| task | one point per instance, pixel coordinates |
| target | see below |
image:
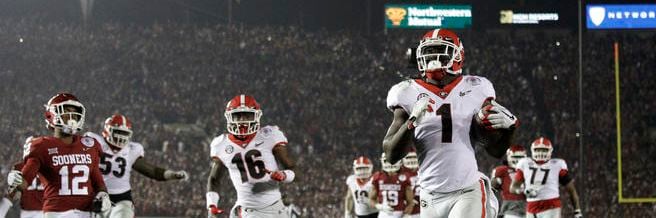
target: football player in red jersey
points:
(66, 162)
(392, 194)
(410, 167)
(513, 205)
(31, 198)
(120, 156)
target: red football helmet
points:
(238, 123)
(440, 51)
(65, 105)
(117, 130)
(514, 154)
(541, 149)
(362, 167)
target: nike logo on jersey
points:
(465, 93)
(258, 143)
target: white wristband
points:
(289, 176)
(212, 199)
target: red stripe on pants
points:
(483, 198)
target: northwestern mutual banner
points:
(621, 16)
(427, 16)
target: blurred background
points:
(321, 71)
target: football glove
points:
(498, 117)
(102, 203)
(14, 179)
(530, 192)
(285, 176)
(420, 108)
(578, 214)
(177, 175)
(384, 207)
(213, 210)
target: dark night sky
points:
(311, 14)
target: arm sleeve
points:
(31, 168)
(488, 88)
(214, 147)
(563, 176)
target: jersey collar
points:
(241, 142)
(440, 92)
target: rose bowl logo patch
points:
(86, 141)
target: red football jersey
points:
(506, 174)
(414, 182)
(32, 197)
(69, 172)
(391, 189)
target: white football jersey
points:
(361, 194)
(117, 166)
(447, 160)
(247, 165)
(545, 178)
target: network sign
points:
(624, 16)
(427, 16)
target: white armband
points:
(289, 176)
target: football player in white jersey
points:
(359, 189)
(439, 112)
(120, 156)
(251, 154)
(541, 176)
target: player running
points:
(513, 205)
(541, 176)
(66, 162)
(120, 155)
(359, 189)
(439, 112)
(251, 154)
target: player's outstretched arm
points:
(157, 173)
(574, 197)
(213, 183)
(348, 203)
(398, 136)
(282, 156)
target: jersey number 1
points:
(447, 128)
(255, 167)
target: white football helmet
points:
(58, 108)
(541, 149)
(362, 167)
(514, 154)
(388, 167)
(411, 161)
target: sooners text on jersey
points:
(69, 172)
(391, 189)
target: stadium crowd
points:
(326, 90)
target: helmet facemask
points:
(67, 116)
(411, 161)
(438, 55)
(541, 153)
(118, 136)
(362, 171)
(243, 121)
(388, 167)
